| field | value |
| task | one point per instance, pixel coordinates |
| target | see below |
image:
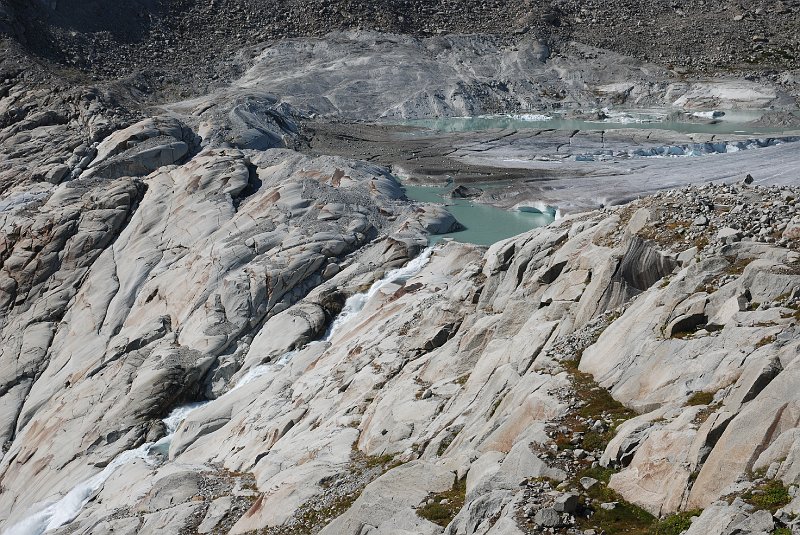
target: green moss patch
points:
(771, 495)
(700, 398)
(442, 507)
(624, 518)
(674, 524)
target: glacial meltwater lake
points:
(484, 224)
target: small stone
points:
(728, 235)
(588, 482)
(772, 471)
(547, 517)
(330, 270)
(700, 221)
(608, 506)
(566, 503)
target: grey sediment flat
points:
(540, 166)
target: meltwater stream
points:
(69, 506)
(355, 303)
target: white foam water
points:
(65, 510)
(355, 303)
(531, 117)
(262, 369)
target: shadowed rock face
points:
(640, 267)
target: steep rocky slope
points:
(208, 324)
(466, 370)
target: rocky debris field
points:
(162, 40)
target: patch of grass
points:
(674, 524)
(440, 513)
(600, 473)
(372, 461)
(594, 440)
(737, 265)
(595, 402)
(708, 287)
(496, 405)
(444, 444)
(701, 242)
(700, 398)
(771, 495)
(463, 379)
(766, 341)
(782, 531)
(625, 518)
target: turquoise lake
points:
(484, 224)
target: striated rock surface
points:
(454, 384)
(207, 325)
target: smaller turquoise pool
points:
(484, 224)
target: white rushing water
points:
(355, 303)
(65, 510)
(262, 369)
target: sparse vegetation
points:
(315, 514)
(737, 265)
(700, 398)
(442, 507)
(624, 518)
(596, 402)
(674, 524)
(770, 495)
(765, 341)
